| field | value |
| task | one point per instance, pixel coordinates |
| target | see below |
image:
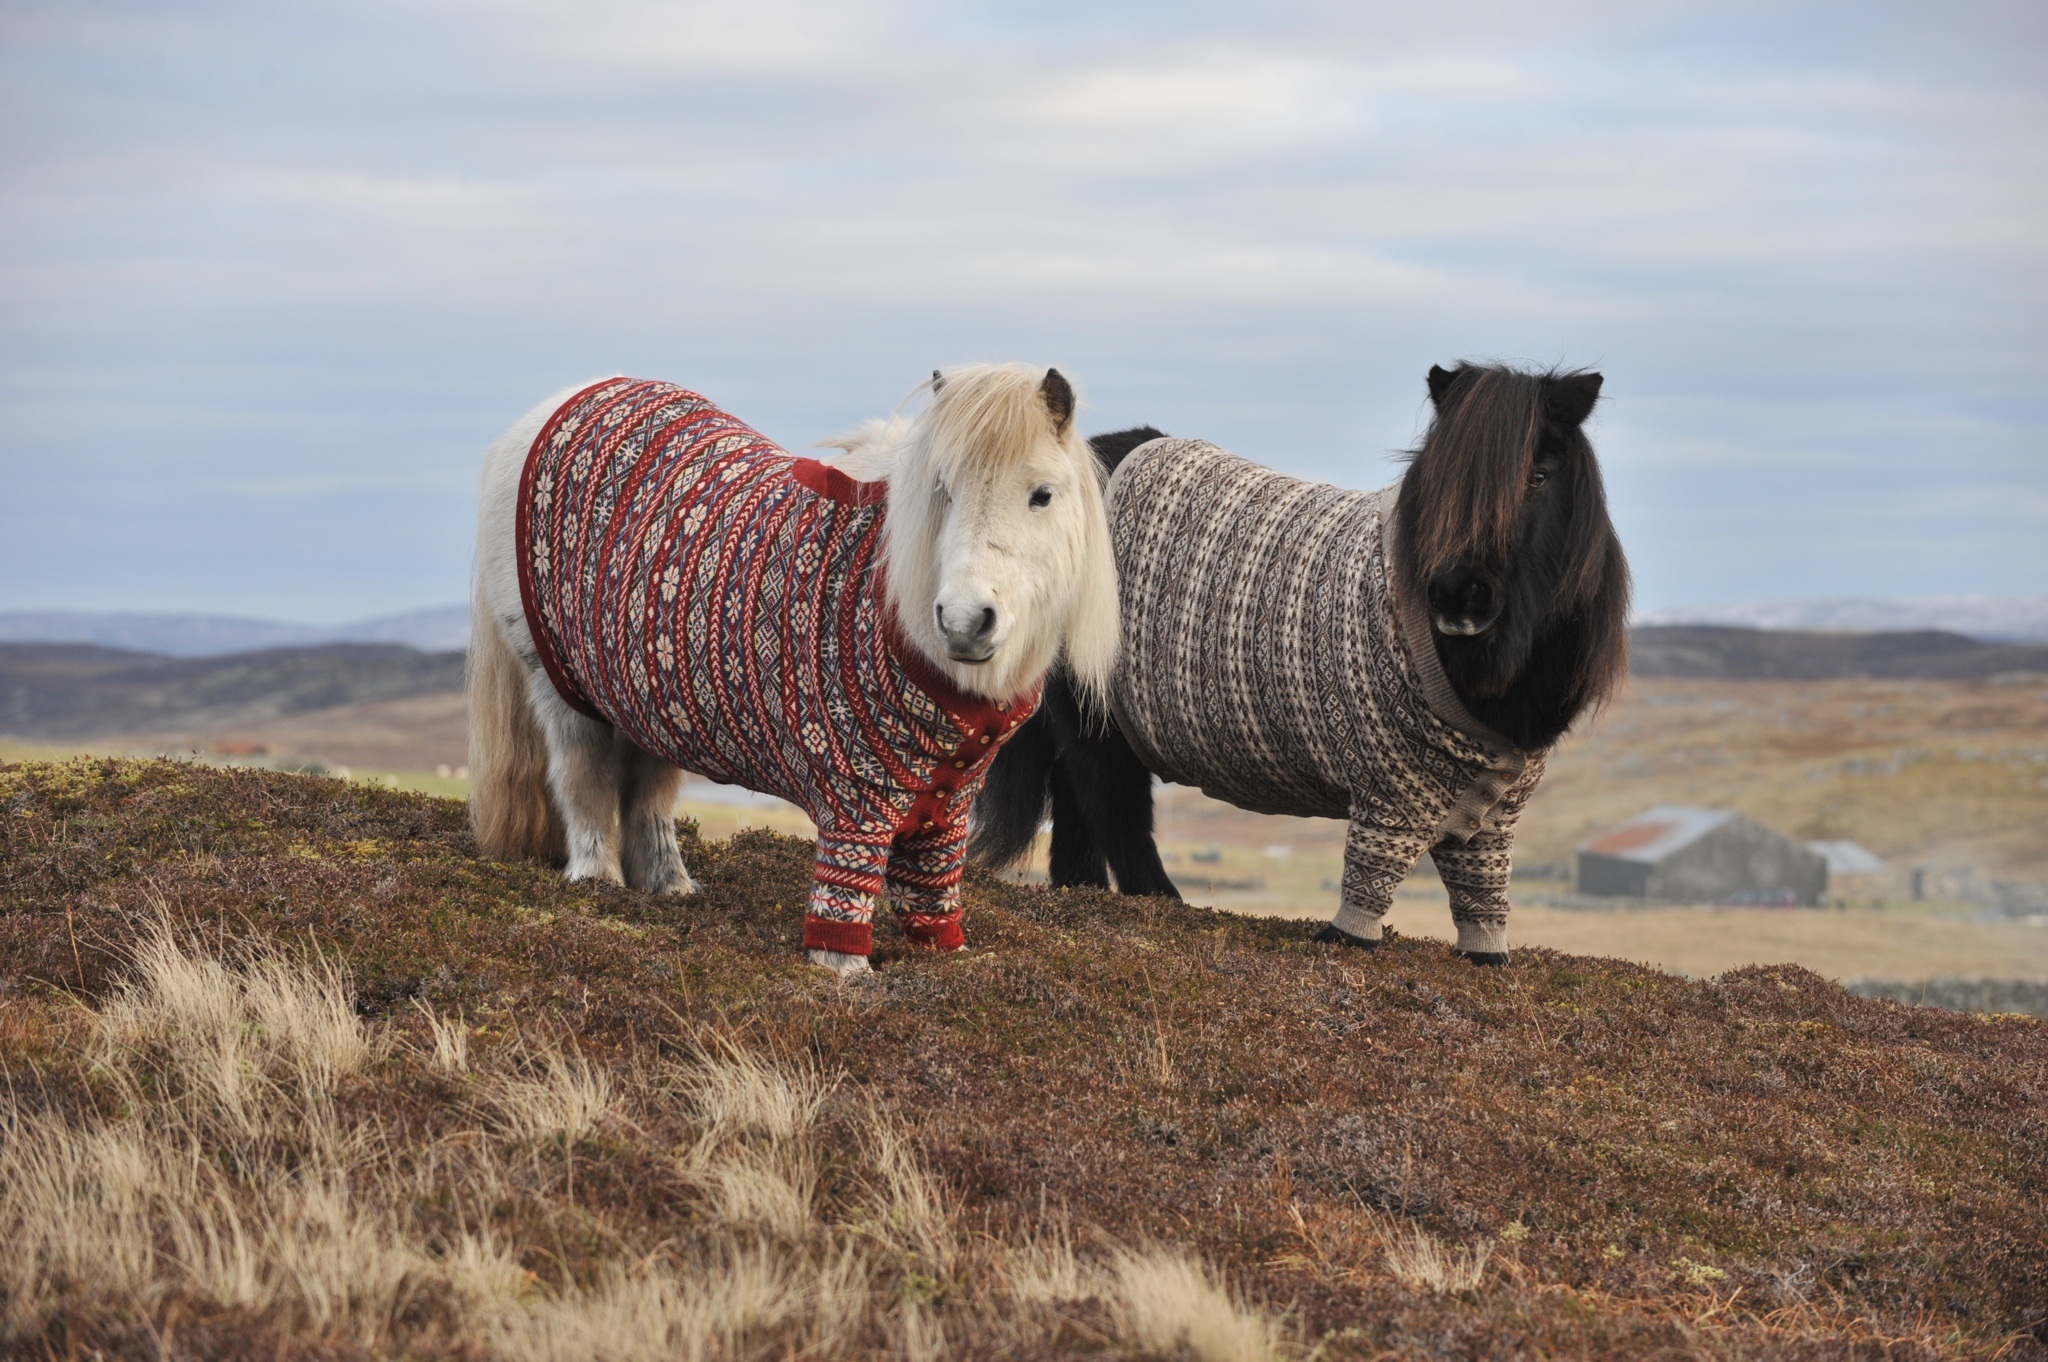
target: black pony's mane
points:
(1113, 448)
(1463, 500)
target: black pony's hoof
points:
(1485, 957)
(1333, 935)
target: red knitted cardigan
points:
(721, 602)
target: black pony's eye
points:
(1042, 497)
(1538, 476)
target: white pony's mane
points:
(983, 420)
(870, 448)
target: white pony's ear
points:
(1095, 628)
(1059, 399)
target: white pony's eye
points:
(1041, 497)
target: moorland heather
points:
(290, 1072)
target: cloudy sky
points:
(271, 276)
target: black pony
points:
(1500, 526)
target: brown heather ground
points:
(1386, 1155)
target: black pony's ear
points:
(1570, 399)
(1440, 381)
(1059, 399)
(938, 381)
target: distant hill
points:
(82, 690)
(439, 629)
(1701, 651)
(1993, 619)
(79, 690)
(1983, 619)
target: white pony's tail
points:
(508, 758)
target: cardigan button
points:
(960, 765)
(1003, 706)
(941, 791)
(927, 825)
(985, 740)
(1472, 823)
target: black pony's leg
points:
(1101, 800)
(1114, 791)
(1076, 860)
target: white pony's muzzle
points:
(972, 631)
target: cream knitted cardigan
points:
(1269, 658)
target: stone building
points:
(1676, 853)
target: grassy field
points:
(1948, 777)
(290, 1073)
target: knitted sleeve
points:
(1376, 860)
(1476, 871)
(924, 885)
(845, 882)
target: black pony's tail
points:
(1012, 804)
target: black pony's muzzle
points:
(1464, 604)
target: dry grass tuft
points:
(450, 1040)
(757, 1155)
(1161, 1300)
(913, 1214)
(1044, 1270)
(558, 1097)
(225, 1028)
(1166, 1303)
(1422, 1262)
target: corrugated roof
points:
(1655, 833)
(1847, 858)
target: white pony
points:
(659, 588)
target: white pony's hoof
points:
(840, 963)
(602, 874)
(681, 887)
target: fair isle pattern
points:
(1267, 659)
(720, 602)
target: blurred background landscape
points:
(1928, 748)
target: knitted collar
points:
(1412, 609)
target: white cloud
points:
(1167, 114)
(755, 37)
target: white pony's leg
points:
(585, 778)
(648, 854)
(840, 963)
